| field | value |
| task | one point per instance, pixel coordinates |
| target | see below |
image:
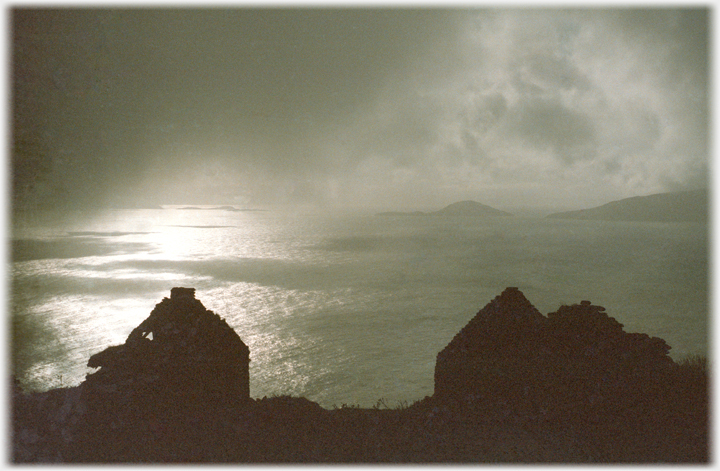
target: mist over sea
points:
(340, 309)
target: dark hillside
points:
(688, 206)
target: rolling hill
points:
(686, 206)
(461, 208)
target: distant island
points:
(461, 208)
(685, 206)
(126, 205)
(119, 206)
(219, 208)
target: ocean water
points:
(343, 309)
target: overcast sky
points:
(385, 108)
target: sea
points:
(345, 308)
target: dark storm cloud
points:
(569, 134)
(109, 93)
(680, 37)
(386, 107)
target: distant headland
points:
(134, 205)
(513, 386)
(685, 206)
(461, 208)
(218, 208)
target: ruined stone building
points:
(182, 351)
(509, 353)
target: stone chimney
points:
(177, 293)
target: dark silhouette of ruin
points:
(577, 356)
(502, 337)
(512, 386)
(181, 352)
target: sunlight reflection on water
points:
(339, 310)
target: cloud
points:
(570, 135)
(342, 106)
(565, 102)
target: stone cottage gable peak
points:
(505, 314)
(511, 306)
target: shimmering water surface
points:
(338, 309)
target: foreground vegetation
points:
(671, 427)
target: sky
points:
(379, 108)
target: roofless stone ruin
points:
(181, 352)
(511, 354)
